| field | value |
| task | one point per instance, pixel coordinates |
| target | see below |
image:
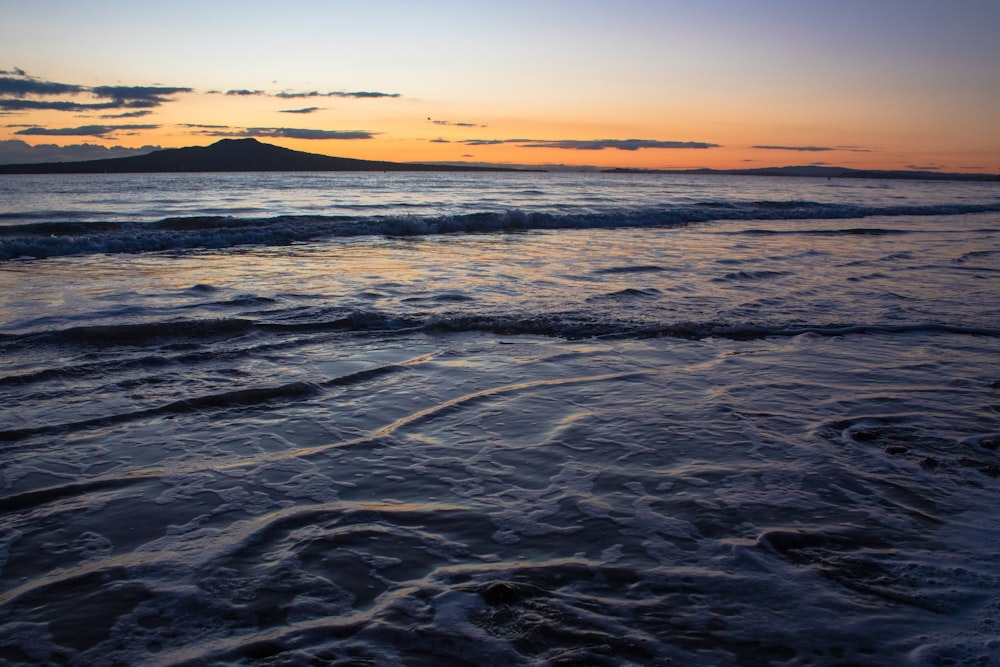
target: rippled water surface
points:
(765, 440)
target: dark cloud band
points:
(153, 94)
(24, 85)
(285, 133)
(16, 87)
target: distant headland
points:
(819, 172)
(228, 155)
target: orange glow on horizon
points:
(406, 130)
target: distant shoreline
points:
(818, 172)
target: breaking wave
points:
(36, 240)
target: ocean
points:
(498, 419)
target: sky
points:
(654, 84)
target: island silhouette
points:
(252, 155)
(228, 155)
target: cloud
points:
(293, 96)
(283, 132)
(83, 131)
(19, 92)
(53, 105)
(313, 93)
(25, 85)
(594, 144)
(138, 96)
(15, 151)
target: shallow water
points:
(748, 442)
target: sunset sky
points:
(889, 84)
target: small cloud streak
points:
(305, 110)
(490, 142)
(455, 124)
(288, 95)
(243, 92)
(362, 94)
(298, 133)
(82, 131)
(618, 144)
(128, 114)
(814, 149)
(807, 149)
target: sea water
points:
(498, 419)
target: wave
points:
(54, 239)
(237, 398)
(195, 340)
(572, 328)
(740, 276)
